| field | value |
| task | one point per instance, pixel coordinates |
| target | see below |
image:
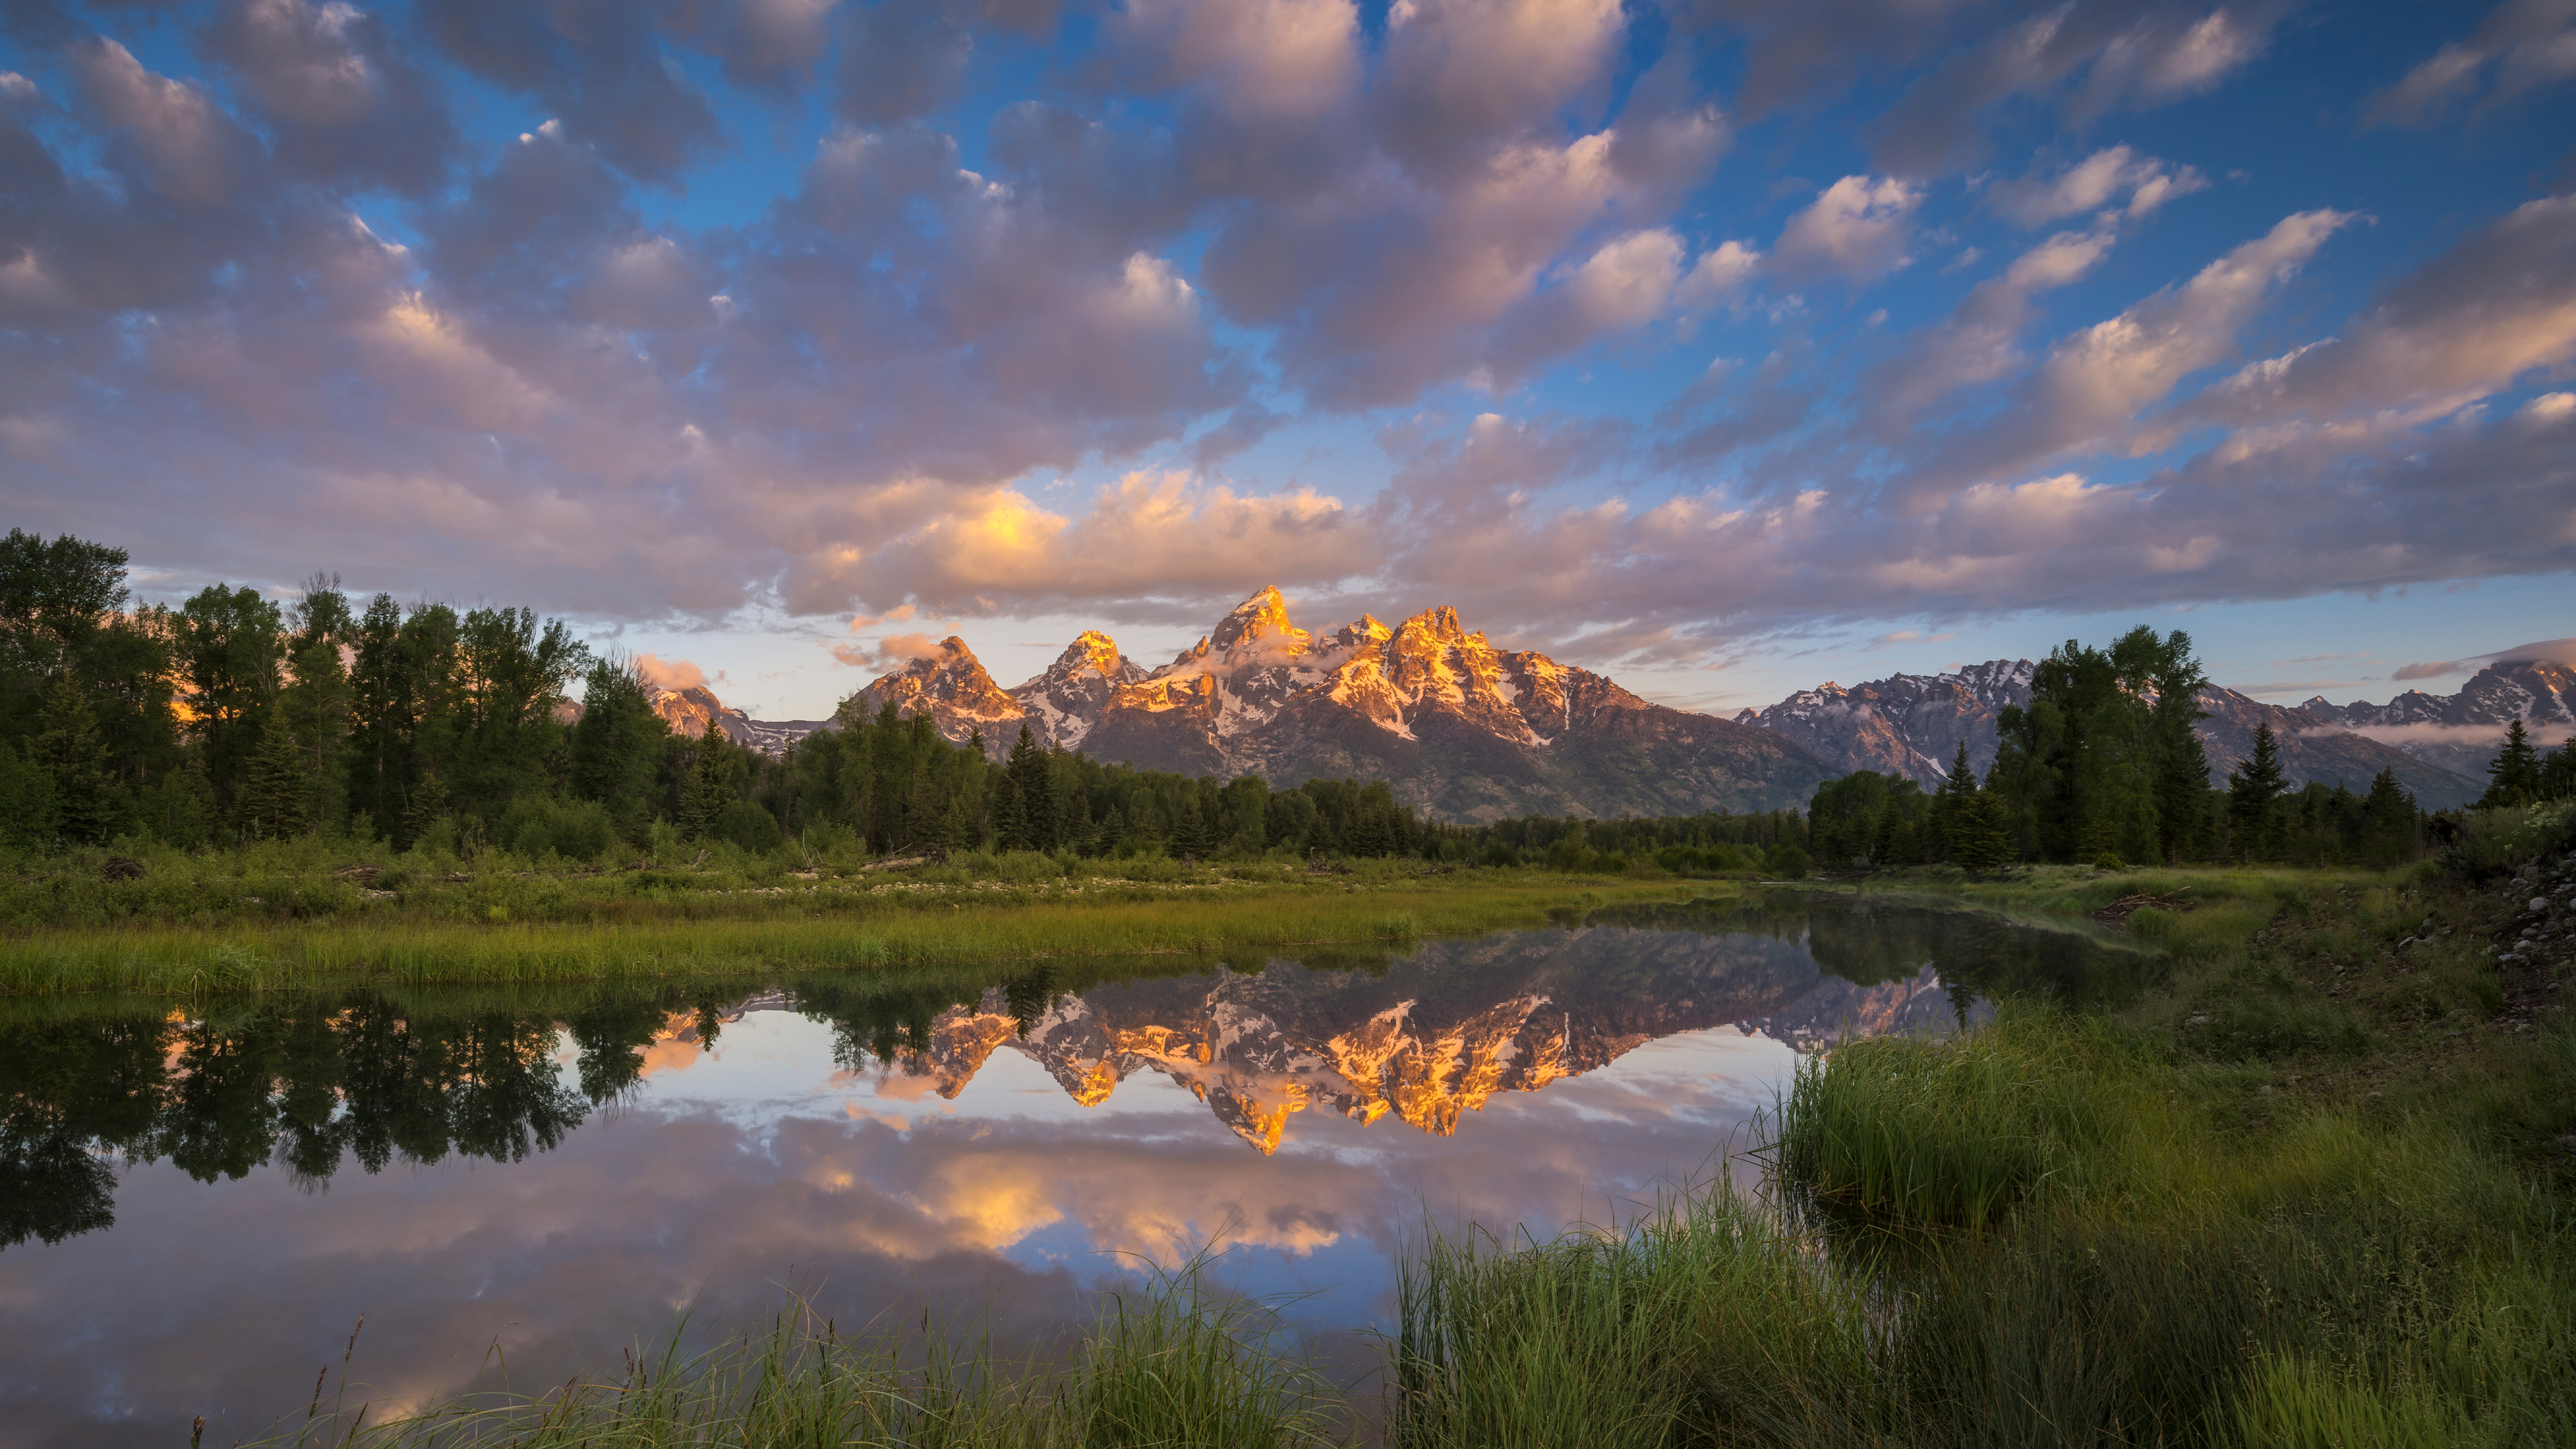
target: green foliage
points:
(2104, 758)
(29, 816)
(87, 805)
(709, 788)
(536, 825)
(2254, 791)
(2514, 776)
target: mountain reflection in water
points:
(568, 1165)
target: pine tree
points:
(710, 784)
(1010, 817)
(70, 750)
(1946, 819)
(276, 789)
(2513, 777)
(2253, 793)
(2388, 814)
(1034, 783)
(426, 806)
(1984, 842)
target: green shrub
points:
(573, 829)
(1789, 862)
(745, 824)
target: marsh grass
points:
(1707, 1311)
(196, 960)
(1174, 1362)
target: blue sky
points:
(1724, 345)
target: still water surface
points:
(198, 1202)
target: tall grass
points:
(1172, 1365)
(1707, 1311)
(193, 959)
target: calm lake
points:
(198, 1201)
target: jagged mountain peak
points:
(1096, 653)
(1455, 726)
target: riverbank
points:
(2311, 1189)
(509, 927)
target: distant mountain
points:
(1913, 724)
(2462, 732)
(1460, 729)
(688, 712)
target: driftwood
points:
(2116, 914)
(120, 868)
(362, 874)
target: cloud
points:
(342, 105)
(2093, 183)
(1856, 229)
(596, 64)
(903, 61)
(1978, 341)
(2548, 651)
(2091, 56)
(2521, 45)
(2436, 669)
(671, 674)
(2497, 306)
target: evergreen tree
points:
(423, 807)
(2390, 814)
(1010, 816)
(2253, 793)
(86, 804)
(179, 808)
(1944, 820)
(2558, 772)
(274, 798)
(1034, 785)
(1983, 838)
(314, 711)
(2513, 776)
(709, 788)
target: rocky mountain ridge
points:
(2461, 732)
(1458, 727)
(1913, 724)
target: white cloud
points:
(1856, 229)
(2096, 182)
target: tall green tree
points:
(88, 805)
(275, 797)
(2513, 776)
(1033, 786)
(710, 784)
(2105, 749)
(616, 744)
(232, 653)
(2254, 791)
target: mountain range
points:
(1459, 728)
(1465, 731)
(2461, 731)
(1913, 725)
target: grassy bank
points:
(716, 935)
(2311, 1191)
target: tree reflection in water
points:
(308, 1082)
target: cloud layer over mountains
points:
(1633, 320)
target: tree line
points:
(231, 719)
(2104, 766)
